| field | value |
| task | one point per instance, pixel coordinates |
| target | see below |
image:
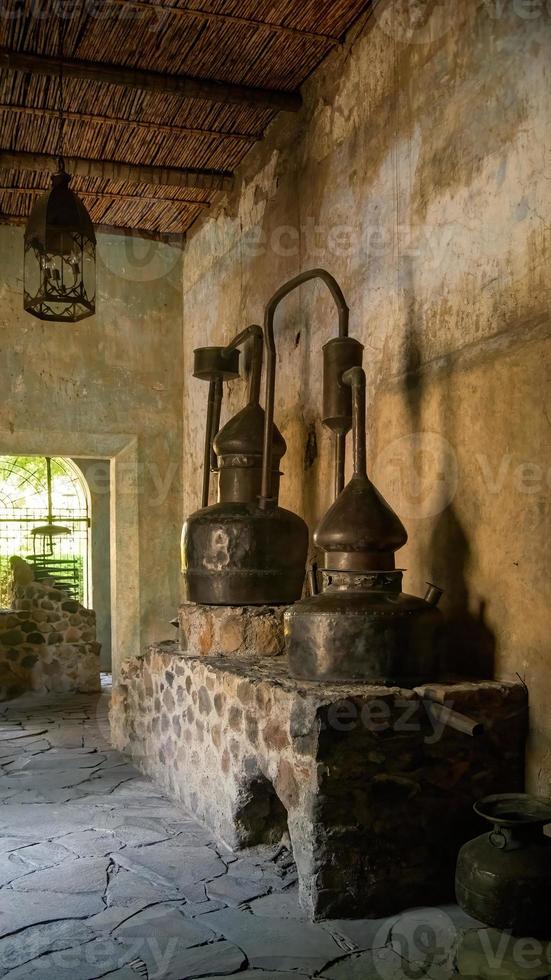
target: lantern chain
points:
(61, 47)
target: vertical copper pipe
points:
(211, 407)
(355, 377)
(282, 292)
(218, 389)
(340, 447)
(256, 367)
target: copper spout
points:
(313, 578)
(433, 594)
(279, 295)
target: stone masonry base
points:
(375, 794)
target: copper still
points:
(246, 549)
(362, 627)
(229, 555)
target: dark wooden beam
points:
(169, 237)
(213, 17)
(150, 81)
(110, 196)
(87, 117)
(204, 180)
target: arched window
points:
(44, 518)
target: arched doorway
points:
(45, 519)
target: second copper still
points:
(362, 627)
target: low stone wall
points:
(376, 795)
(47, 642)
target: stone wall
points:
(47, 641)
(416, 173)
(376, 797)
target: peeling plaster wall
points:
(418, 173)
(119, 372)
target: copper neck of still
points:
(360, 533)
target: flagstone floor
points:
(102, 876)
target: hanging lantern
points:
(60, 244)
(60, 255)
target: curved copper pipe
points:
(281, 293)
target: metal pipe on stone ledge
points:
(445, 715)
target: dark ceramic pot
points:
(504, 877)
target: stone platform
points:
(375, 794)
(246, 632)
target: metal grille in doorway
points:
(44, 518)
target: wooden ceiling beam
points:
(204, 180)
(87, 117)
(185, 86)
(216, 17)
(110, 196)
(169, 237)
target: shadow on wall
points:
(467, 644)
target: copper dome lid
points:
(243, 435)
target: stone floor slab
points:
(78, 876)
(163, 865)
(33, 942)
(381, 964)
(272, 943)
(236, 891)
(165, 922)
(20, 910)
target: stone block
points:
(375, 796)
(245, 632)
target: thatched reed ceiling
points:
(268, 46)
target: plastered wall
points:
(418, 173)
(91, 389)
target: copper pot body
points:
(237, 554)
(363, 628)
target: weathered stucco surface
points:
(417, 174)
(112, 380)
(96, 475)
